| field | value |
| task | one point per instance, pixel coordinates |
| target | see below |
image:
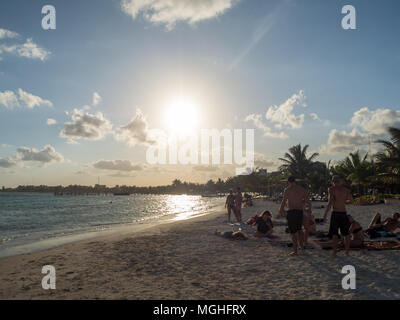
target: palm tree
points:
(297, 163)
(388, 160)
(356, 169)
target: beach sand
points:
(185, 260)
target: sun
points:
(181, 116)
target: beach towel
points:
(368, 245)
(242, 227)
(382, 245)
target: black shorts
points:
(295, 220)
(339, 220)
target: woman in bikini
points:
(388, 225)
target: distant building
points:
(100, 186)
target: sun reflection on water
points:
(183, 206)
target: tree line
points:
(379, 171)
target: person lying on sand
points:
(388, 225)
(238, 235)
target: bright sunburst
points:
(181, 116)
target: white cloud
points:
(344, 142)
(375, 121)
(86, 126)
(29, 50)
(4, 34)
(8, 163)
(283, 115)
(258, 123)
(8, 99)
(32, 101)
(117, 165)
(51, 122)
(169, 12)
(315, 117)
(96, 99)
(11, 100)
(368, 126)
(45, 156)
(135, 132)
(261, 161)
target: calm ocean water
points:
(28, 218)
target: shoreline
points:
(185, 260)
(119, 229)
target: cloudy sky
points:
(81, 102)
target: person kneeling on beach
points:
(295, 198)
(264, 225)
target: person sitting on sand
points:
(310, 226)
(357, 234)
(388, 225)
(238, 235)
(264, 225)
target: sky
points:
(83, 103)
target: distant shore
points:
(185, 260)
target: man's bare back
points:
(296, 197)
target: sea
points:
(37, 221)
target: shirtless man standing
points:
(338, 197)
(295, 197)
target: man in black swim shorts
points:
(295, 220)
(295, 198)
(338, 197)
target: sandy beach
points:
(185, 260)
